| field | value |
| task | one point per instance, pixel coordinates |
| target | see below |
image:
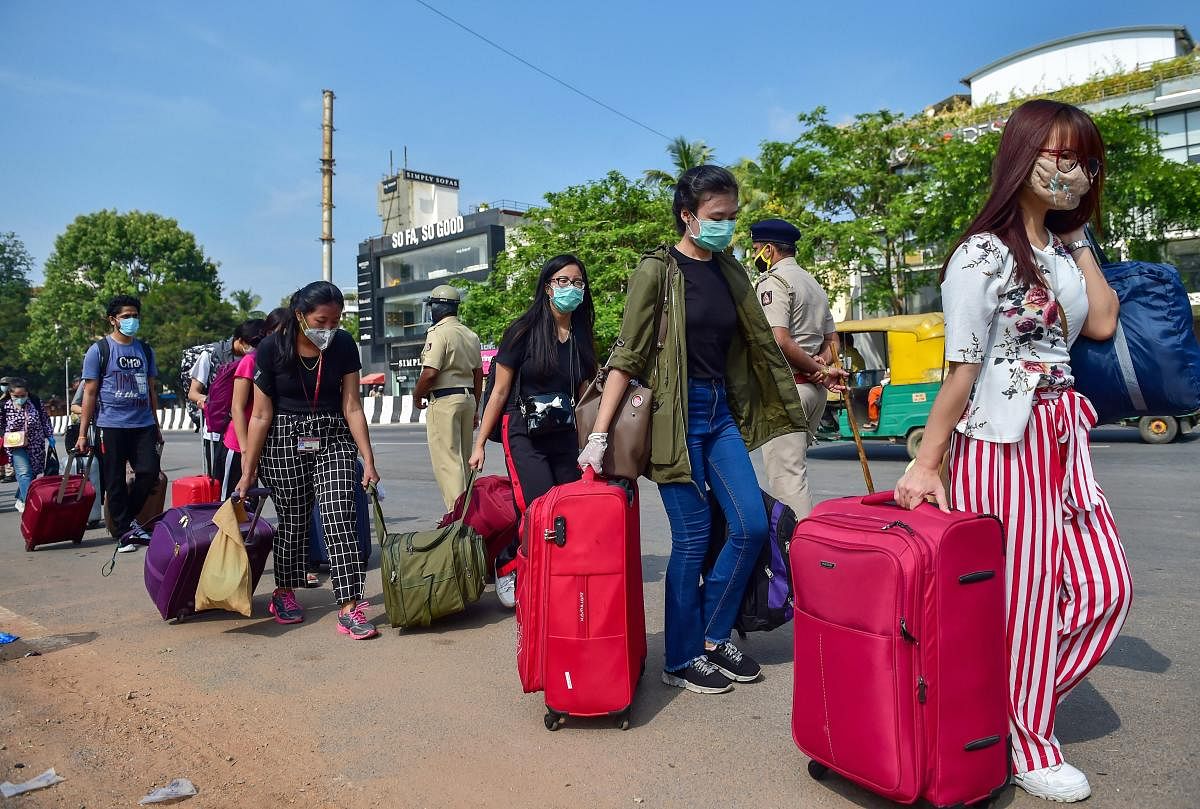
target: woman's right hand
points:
(245, 484)
(476, 460)
(81, 445)
(919, 483)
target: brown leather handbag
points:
(628, 451)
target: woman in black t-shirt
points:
(547, 353)
(306, 429)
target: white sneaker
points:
(506, 589)
(19, 506)
(128, 547)
(1062, 783)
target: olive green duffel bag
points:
(430, 574)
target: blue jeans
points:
(697, 613)
(23, 470)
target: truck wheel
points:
(1158, 429)
(913, 442)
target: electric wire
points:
(534, 67)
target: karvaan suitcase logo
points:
(581, 606)
(829, 565)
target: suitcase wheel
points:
(817, 770)
(179, 617)
(554, 720)
(77, 541)
(623, 719)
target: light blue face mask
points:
(20, 401)
(715, 234)
(567, 300)
(129, 326)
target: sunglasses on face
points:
(564, 281)
(1068, 159)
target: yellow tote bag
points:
(225, 578)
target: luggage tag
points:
(308, 443)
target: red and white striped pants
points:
(1069, 588)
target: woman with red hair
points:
(1018, 289)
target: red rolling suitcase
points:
(581, 622)
(196, 489)
(179, 544)
(900, 667)
(57, 507)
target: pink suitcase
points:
(57, 507)
(581, 622)
(900, 664)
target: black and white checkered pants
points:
(297, 480)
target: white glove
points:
(593, 452)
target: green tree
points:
(684, 154)
(245, 304)
(16, 265)
(608, 224)
(838, 183)
(106, 253)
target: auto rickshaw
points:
(902, 367)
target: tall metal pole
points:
(327, 187)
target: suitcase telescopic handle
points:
(87, 473)
(880, 499)
(262, 493)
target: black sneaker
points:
(700, 676)
(734, 663)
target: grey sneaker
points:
(700, 676)
(734, 663)
(354, 623)
(285, 607)
(137, 533)
(506, 589)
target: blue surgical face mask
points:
(20, 401)
(567, 300)
(714, 235)
(3, 388)
(129, 326)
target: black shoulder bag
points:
(547, 413)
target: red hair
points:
(1025, 134)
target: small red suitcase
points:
(194, 490)
(581, 622)
(900, 666)
(57, 508)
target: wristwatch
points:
(1075, 245)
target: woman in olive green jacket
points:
(721, 388)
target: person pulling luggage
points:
(120, 396)
(1018, 289)
(450, 387)
(306, 428)
(721, 387)
(544, 359)
(27, 430)
(797, 310)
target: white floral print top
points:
(1012, 329)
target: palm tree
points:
(245, 304)
(685, 154)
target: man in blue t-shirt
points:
(121, 378)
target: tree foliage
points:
(607, 224)
(245, 305)
(16, 265)
(106, 253)
(685, 154)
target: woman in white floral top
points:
(1018, 290)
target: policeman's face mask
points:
(762, 262)
(440, 309)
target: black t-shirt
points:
(512, 353)
(292, 389)
(711, 316)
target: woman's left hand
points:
(369, 474)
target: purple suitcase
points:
(178, 545)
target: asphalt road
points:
(444, 707)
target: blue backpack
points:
(1151, 366)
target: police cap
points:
(775, 231)
(445, 292)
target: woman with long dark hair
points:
(306, 428)
(547, 353)
(721, 387)
(250, 333)
(1018, 289)
(26, 428)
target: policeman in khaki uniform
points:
(450, 385)
(797, 309)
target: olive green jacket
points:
(759, 384)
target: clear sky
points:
(211, 112)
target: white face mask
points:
(1062, 191)
(321, 338)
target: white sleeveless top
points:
(1012, 329)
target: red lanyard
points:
(317, 391)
